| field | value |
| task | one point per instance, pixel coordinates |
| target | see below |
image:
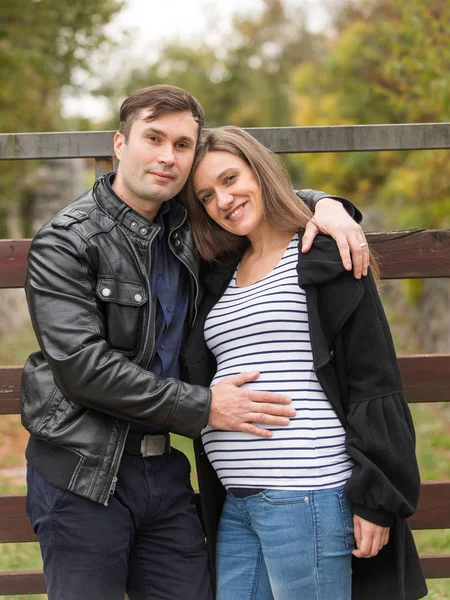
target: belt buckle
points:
(153, 445)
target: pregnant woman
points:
(342, 478)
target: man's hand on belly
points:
(237, 409)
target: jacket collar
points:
(128, 218)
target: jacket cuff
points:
(312, 197)
(191, 412)
(379, 517)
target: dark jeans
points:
(147, 542)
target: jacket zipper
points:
(115, 479)
(186, 264)
(148, 352)
(139, 360)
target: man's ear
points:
(119, 141)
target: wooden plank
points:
(102, 166)
(339, 138)
(14, 523)
(426, 377)
(10, 390)
(433, 510)
(14, 526)
(402, 254)
(410, 254)
(67, 144)
(33, 582)
(354, 138)
(436, 567)
(17, 583)
(13, 262)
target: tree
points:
(388, 63)
(245, 78)
(42, 44)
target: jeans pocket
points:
(280, 497)
(347, 520)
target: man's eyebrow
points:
(155, 131)
(186, 138)
(163, 134)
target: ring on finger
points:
(363, 244)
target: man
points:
(112, 285)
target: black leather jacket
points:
(91, 307)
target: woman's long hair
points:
(282, 207)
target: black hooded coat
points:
(356, 365)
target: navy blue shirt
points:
(168, 282)
(169, 287)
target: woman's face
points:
(224, 184)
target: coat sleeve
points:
(71, 330)
(385, 481)
(312, 197)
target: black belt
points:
(140, 444)
(245, 492)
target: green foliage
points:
(388, 63)
(42, 44)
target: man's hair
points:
(282, 207)
(161, 99)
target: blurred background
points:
(67, 66)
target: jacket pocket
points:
(123, 305)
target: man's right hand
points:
(237, 409)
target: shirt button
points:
(175, 235)
(177, 243)
(143, 230)
(138, 298)
(162, 347)
(133, 224)
(106, 292)
(160, 272)
(169, 309)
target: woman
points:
(344, 469)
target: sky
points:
(152, 23)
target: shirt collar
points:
(160, 218)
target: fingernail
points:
(292, 412)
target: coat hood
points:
(321, 264)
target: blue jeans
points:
(147, 542)
(285, 545)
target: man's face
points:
(156, 160)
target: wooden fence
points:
(403, 254)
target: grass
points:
(432, 422)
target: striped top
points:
(264, 326)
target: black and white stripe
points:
(264, 326)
